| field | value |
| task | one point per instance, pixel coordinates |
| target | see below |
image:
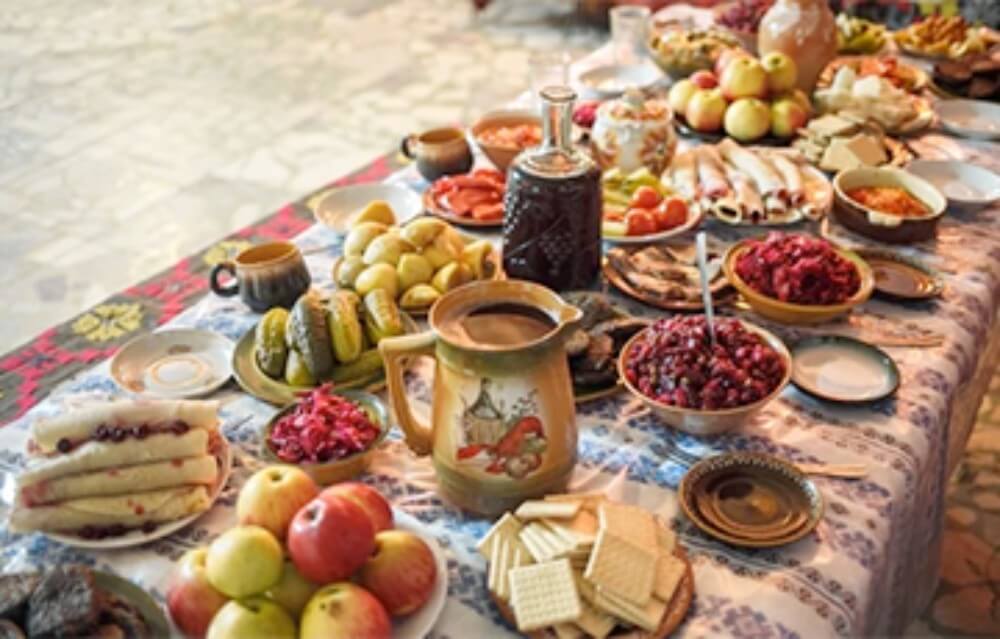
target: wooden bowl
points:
(708, 422)
(787, 312)
(892, 229)
(501, 155)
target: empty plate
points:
(336, 207)
(970, 118)
(750, 499)
(843, 369)
(900, 277)
(176, 363)
(968, 187)
(611, 81)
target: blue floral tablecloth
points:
(867, 568)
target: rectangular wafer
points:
(622, 567)
(669, 572)
(646, 617)
(507, 527)
(538, 509)
(543, 595)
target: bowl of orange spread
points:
(503, 134)
(887, 204)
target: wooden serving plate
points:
(676, 611)
(435, 208)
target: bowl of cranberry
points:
(700, 387)
(330, 435)
(795, 278)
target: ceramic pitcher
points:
(503, 421)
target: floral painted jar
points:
(634, 132)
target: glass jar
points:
(552, 208)
(806, 31)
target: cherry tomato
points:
(645, 197)
(672, 212)
(640, 221)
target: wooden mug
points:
(438, 152)
(265, 276)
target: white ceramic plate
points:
(694, 219)
(336, 207)
(968, 187)
(842, 369)
(420, 623)
(175, 363)
(138, 537)
(611, 81)
(970, 118)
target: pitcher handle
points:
(418, 435)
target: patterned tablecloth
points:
(867, 568)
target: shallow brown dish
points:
(677, 609)
(499, 154)
(775, 487)
(900, 277)
(437, 209)
(892, 229)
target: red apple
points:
(272, 496)
(330, 538)
(401, 573)
(370, 500)
(191, 599)
(787, 117)
(705, 110)
(744, 77)
(781, 70)
(704, 79)
(344, 611)
(726, 57)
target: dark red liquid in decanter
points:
(552, 208)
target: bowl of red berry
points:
(698, 386)
(330, 435)
(796, 278)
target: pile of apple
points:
(744, 96)
(242, 587)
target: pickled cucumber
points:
(269, 342)
(376, 211)
(296, 371)
(309, 334)
(367, 365)
(345, 327)
(377, 276)
(413, 269)
(382, 318)
(420, 296)
(360, 236)
(347, 271)
(451, 276)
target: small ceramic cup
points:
(268, 275)
(438, 152)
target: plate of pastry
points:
(122, 473)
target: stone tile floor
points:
(133, 133)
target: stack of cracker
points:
(581, 565)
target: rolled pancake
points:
(96, 455)
(79, 424)
(192, 471)
(130, 511)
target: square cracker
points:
(647, 616)
(538, 509)
(568, 631)
(506, 527)
(594, 622)
(622, 567)
(543, 595)
(666, 539)
(590, 501)
(628, 522)
(580, 531)
(669, 572)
